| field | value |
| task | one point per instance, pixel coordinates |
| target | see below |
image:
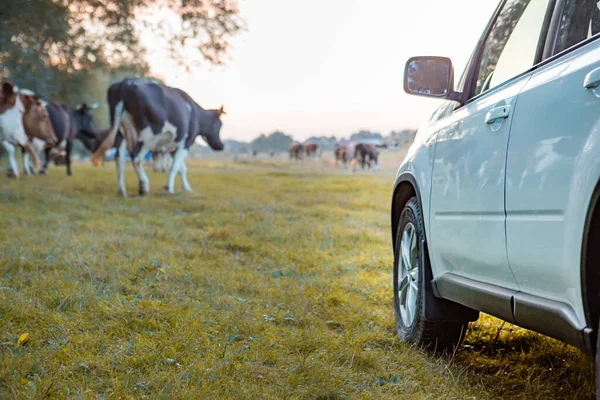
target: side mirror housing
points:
(430, 77)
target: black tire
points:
(437, 336)
(598, 368)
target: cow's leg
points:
(162, 162)
(178, 161)
(46, 161)
(184, 179)
(138, 165)
(168, 161)
(26, 162)
(156, 158)
(121, 155)
(69, 150)
(10, 149)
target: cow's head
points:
(84, 120)
(212, 134)
(36, 119)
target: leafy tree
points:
(363, 134)
(235, 146)
(46, 42)
(277, 141)
(402, 138)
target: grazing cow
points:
(90, 141)
(69, 124)
(162, 161)
(341, 156)
(311, 149)
(18, 112)
(296, 150)
(155, 117)
(365, 154)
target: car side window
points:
(511, 47)
(580, 20)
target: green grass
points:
(271, 280)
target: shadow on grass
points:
(511, 362)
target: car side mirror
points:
(430, 77)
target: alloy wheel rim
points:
(408, 274)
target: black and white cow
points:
(155, 117)
(69, 124)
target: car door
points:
(467, 217)
(553, 156)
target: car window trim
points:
(545, 34)
(474, 67)
(550, 50)
(553, 29)
(538, 60)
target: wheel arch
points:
(404, 189)
(590, 265)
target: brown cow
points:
(311, 149)
(36, 120)
(18, 110)
(341, 156)
(296, 150)
(365, 154)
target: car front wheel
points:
(411, 263)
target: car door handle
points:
(592, 79)
(497, 113)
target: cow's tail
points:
(109, 141)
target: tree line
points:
(280, 142)
(71, 50)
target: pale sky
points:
(330, 67)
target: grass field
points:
(271, 280)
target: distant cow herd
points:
(363, 154)
(145, 117)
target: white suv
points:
(494, 207)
